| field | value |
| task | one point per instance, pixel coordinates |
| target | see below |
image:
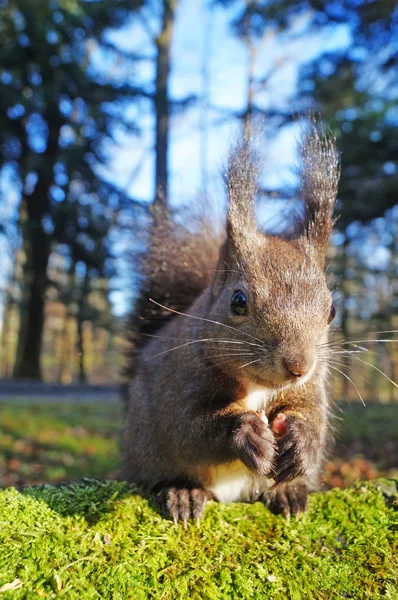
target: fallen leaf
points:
(107, 538)
(58, 582)
(10, 587)
(14, 464)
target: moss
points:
(102, 540)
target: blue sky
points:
(198, 30)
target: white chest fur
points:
(233, 482)
(258, 397)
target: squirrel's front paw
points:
(298, 447)
(255, 442)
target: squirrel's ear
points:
(222, 269)
(319, 178)
(241, 183)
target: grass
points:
(102, 540)
(366, 445)
(56, 441)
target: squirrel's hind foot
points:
(287, 499)
(183, 502)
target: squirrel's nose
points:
(298, 368)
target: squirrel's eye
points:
(239, 303)
(332, 313)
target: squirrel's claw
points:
(182, 503)
(298, 447)
(287, 499)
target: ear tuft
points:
(319, 178)
(241, 181)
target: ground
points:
(102, 539)
(49, 442)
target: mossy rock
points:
(102, 540)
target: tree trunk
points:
(32, 319)
(10, 311)
(80, 320)
(37, 243)
(6, 364)
(162, 107)
(80, 348)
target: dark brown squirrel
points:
(229, 400)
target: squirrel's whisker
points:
(177, 348)
(348, 352)
(356, 342)
(350, 380)
(345, 341)
(236, 353)
(177, 312)
(249, 363)
(215, 339)
(376, 369)
(340, 350)
(230, 350)
(222, 363)
(188, 344)
(362, 351)
(356, 372)
(384, 331)
(336, 378)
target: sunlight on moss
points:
(101, 539)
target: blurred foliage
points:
(356, 90)
(62, 101)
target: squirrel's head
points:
(271, 291)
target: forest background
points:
(104, 102)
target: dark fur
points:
(178, 266)
(187, 411)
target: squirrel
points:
(227, 398)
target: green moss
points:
(102, 540)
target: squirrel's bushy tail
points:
(176, 268)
